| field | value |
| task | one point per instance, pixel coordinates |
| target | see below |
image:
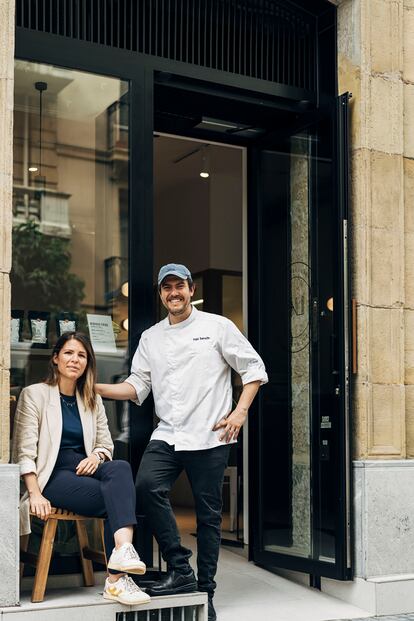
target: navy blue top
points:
(72, 432)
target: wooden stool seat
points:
(42, 561)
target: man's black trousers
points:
(159, 469)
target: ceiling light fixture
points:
(204, 172)
(197, 302)
(33, 169)
(40, 87)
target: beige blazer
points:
(38, 430)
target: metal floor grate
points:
(179, 613)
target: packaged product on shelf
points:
(16, 326)
(66, 322)
(39, 328)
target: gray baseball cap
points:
(174, 269)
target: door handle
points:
(315, 320)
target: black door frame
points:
(141, 71)
(342, 569)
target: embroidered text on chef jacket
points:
(187, 366)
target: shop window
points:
(70, 222)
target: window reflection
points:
(70, 222)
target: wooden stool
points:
(42, 561)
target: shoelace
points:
(129, 584)
(130, 553)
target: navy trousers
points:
(109, 493)
(159, 468)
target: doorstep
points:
(87, 604)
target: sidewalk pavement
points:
(246, 592)
(409, 617)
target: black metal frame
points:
(274, 41)
(337, 111)
(142, 72)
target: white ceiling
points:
(70, 94)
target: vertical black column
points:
(141, 304)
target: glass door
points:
(298, 311)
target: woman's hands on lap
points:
(40, 506)
(88, 466)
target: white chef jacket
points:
(187, 366)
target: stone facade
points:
(9, 542)
(372, 65)
(9, 474)
(6, 163)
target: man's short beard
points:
(178, 312)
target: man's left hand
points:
(231, 424)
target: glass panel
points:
(70, 223)
(233, 299)
(326, 352)
(300, 461)
(300, 362)
(287, 528)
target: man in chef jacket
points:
(186, 360)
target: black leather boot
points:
(173, 583)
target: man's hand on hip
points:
(231, 424)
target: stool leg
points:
(102, 532)
(43, 560)
(24, 544)
(87, 567)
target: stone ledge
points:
(378, 597)
(384, 463)
(9, 527)
(87, 604)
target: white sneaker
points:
(125, 591)
(126, 559)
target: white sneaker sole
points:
(139, 569)
(121, 600)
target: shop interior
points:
(70, 241)
(198, 221)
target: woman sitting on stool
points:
(63, 446)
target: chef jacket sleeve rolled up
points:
(241, 356)
(140, 377)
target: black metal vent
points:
(255, 38)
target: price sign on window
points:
(101, 333)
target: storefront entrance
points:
(295, 473)
(268, 91)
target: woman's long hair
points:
(85, 384)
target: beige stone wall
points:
(376, 63)
(6, 162)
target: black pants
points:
(109, 493)
(159, 469)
